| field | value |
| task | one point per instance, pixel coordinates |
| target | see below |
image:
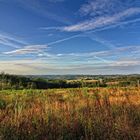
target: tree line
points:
(21, 82)
(8, 81)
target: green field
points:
(70, 114)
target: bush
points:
(2, 104)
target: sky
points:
(45, 37)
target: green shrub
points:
(2, 104)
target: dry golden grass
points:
(70, 114)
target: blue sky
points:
(70, 36)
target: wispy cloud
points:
(93, 66)
(89, 32)
(31, 49)
(54, 1)
(94, 58)
(101, 15)
(37, 7)
(103, 7)
(127, 50)
(50, 28)
(129, 62)
(100, 40)
(101, 21)
(10, 41)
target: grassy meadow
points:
(70, 114)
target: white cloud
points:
(122, 66)
(102, 7)
(109, 45)
(31, 49)
(108, 53)
(129, 62)
(11, 41)
(94, 62)
(101, 21)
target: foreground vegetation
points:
(70, 114)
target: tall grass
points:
(70, 114)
